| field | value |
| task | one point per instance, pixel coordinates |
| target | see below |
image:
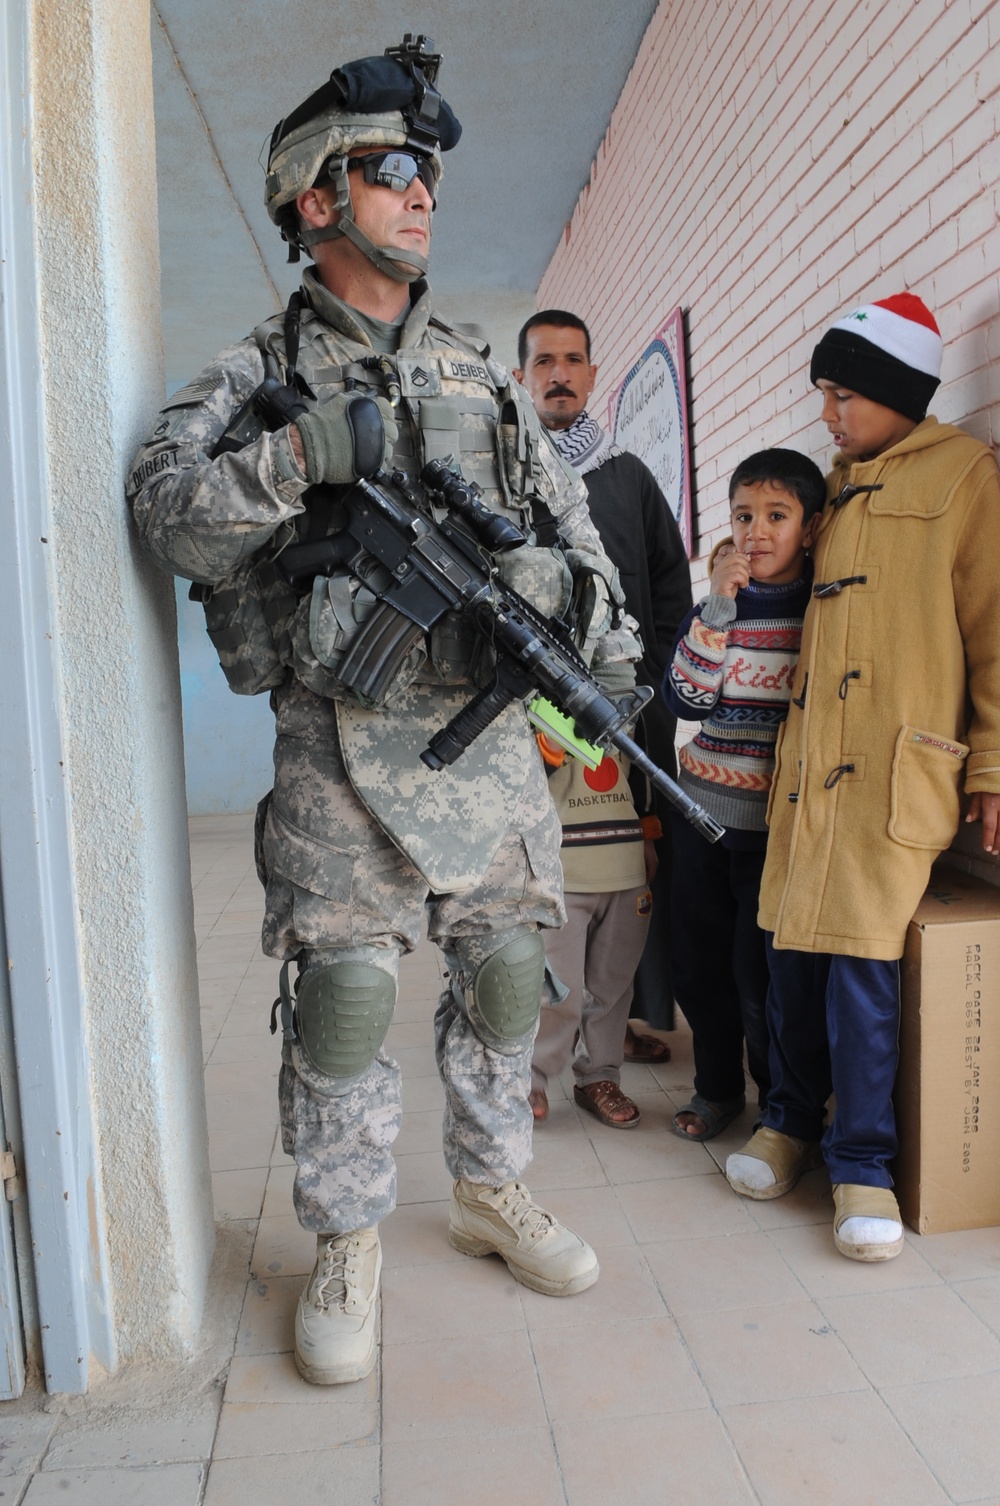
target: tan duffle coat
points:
(896, 696)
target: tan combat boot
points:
(539, 1251)
(335, 1339)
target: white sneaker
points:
(336, 1316)
(539, 1251)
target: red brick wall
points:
(770, 166)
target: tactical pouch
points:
(440, 421)
(540, 575)
(517, 440)
(597, 599)
(455, 648)
(456, 651)
(328, 626)
(248, 615)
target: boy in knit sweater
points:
(895, 711)
(732, 669)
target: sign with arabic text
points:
(648, 416)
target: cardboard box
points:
(948, 1088)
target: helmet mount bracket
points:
(421, 116)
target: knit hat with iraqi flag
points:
(889, 351)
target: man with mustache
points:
(641, 535)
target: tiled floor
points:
(727, 1355)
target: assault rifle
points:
(383, 532)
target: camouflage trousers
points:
(337, 887)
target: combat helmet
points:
(376, 101)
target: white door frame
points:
(61, 1170)
(11, 1321)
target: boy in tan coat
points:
(895, 707)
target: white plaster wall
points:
(115, 629)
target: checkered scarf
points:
(584, 445)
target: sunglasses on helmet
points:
(396, 170)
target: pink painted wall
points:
(770, 166)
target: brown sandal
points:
(605, 1099)
(539, 1102)
(645, 1048)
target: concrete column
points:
(96, 316)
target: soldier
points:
(357, 841)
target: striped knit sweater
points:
(732, 670)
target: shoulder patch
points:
(195, 392)
(419, 375)
(153, 465)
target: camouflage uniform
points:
(358, 840)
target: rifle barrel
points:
(688, 808)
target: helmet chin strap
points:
(401, 266)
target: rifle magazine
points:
(379, 653)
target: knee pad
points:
(506, 991)
(342, 1012)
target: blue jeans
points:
(835, 1028)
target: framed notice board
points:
(648, 415)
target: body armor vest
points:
(452, 403)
